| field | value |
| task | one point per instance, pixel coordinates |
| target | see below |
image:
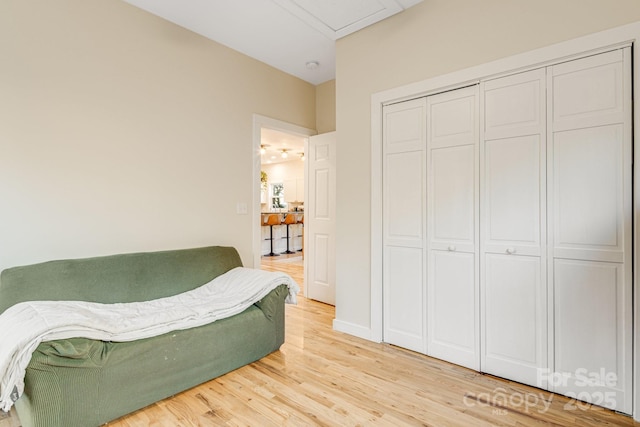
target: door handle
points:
(511, 251)
(451, 248)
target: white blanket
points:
(25, 325)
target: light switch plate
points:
(241, 208)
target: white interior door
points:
(320, 219)
(404, 312)
(513, 198)
(452, 212)
(590, 231)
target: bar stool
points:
(288, 220)
(271, 221)
(301, 222)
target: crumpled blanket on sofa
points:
(25, 325)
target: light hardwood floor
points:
(9, 419)
(291, 264)
(326, 378)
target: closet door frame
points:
(627, 35)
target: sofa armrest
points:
(270, 304)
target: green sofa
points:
(82, 382)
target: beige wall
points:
(122, 132)
(431, 39)
(326, 107)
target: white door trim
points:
(260, 122)
(582, 46)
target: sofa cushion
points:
(117, 278)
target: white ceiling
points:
(286, 34)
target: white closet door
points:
(513, 297)
(590, 228)
(452, 212)
(404, 188)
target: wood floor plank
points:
(9, 419)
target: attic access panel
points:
(338, 18)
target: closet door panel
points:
(453, 307)
(453, 118)
(514, 317)
(512, 195)
(589, 212)
(589, 92)
(590, 233)
(404, 224)
(404, 127)
(452, 230)
(589, 323)
(513, 199)
(452, 198)
(513, 105)
(589, 294)
(404, 297)
(404, 191)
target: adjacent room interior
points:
(282, 185)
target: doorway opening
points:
(279, 183)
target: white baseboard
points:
(352, 329)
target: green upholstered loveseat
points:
(82, 382)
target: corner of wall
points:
(326, 107)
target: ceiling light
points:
(284, 154)
(263, 148)
(301, 156)
(312, 65)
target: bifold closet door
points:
(590, 235)
(452, 218)
(513, 285)
(404, 201)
